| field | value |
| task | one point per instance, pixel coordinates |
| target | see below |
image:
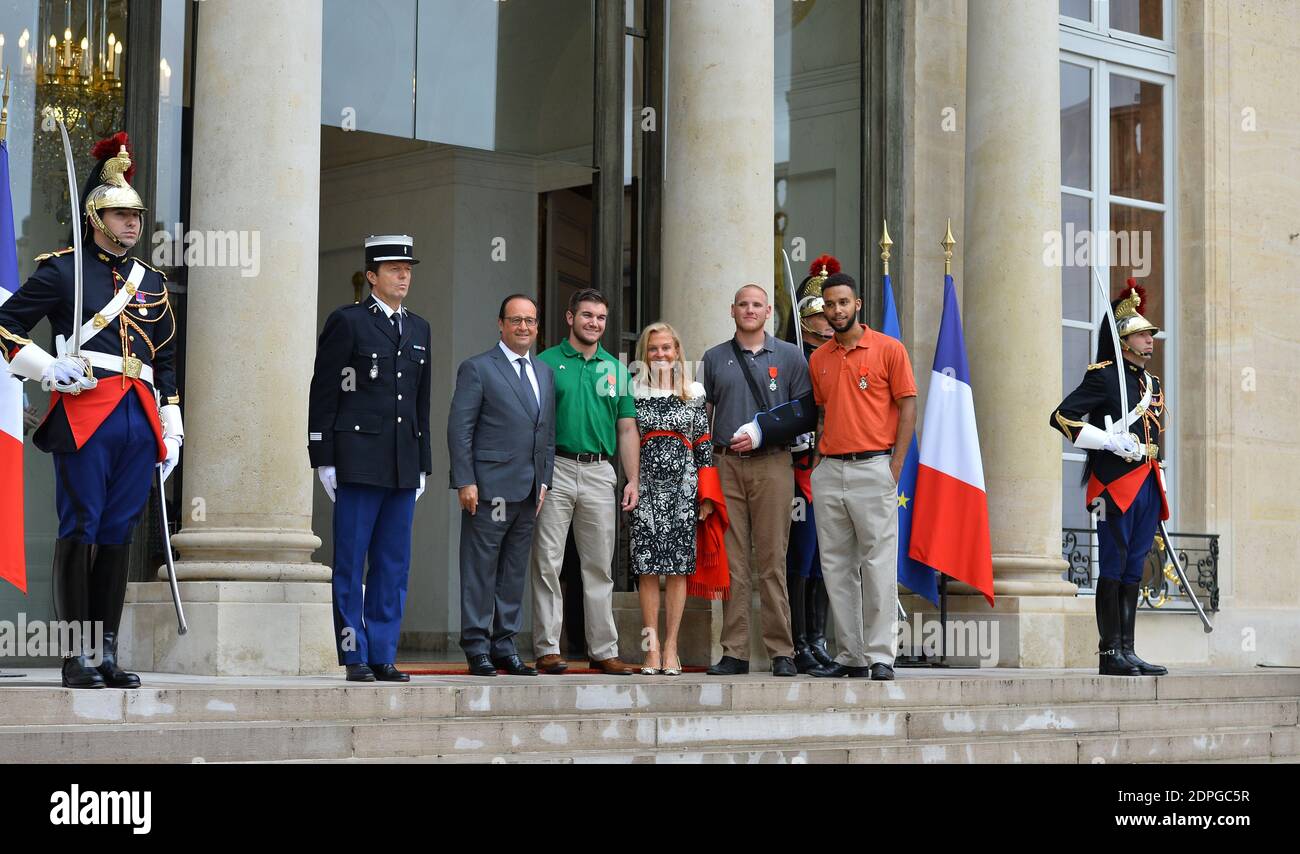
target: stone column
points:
(718, 203)
(718, 197)
(255, 601)
(1012, 303)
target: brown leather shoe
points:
(614, 667)
(551, 664)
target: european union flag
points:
(912, 574)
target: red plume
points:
(1130, 286)
(828, 261)
(109, 147)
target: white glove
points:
(68, 375)
(173, 446)
(328, 479)
(1123, 445)
(420, 490)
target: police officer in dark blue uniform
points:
(369, 443)
(1125, 481)
(114, 411)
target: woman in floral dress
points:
(675, 446)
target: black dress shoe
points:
(728, 666)
(835, 670)
(77, 673)
(783, 665)
(360, 673)
(481, 665)
(804, 661)
(513, 665)
(881, 672)
(389, 673)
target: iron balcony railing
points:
(1160, 588)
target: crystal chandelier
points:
(78, 72)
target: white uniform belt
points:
(109, 362)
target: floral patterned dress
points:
(663, 523)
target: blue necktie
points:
(527, 387)
(396, 320)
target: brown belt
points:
(725, 451)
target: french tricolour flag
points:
(13, 562)
(950, 523)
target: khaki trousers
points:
(857, 532)
(759, 492)
(581, 495)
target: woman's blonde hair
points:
(643, 357)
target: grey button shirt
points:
(725, 386)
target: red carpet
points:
(449, 668)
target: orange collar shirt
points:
(859, 390)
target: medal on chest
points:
(613, 386)
(862, 382)
(771, 372)
(374, 366)
(144, 311)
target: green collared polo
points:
(590, 396)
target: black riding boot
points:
(72, 605)
(1128, 605)
(1110, 660)
(796, 584)
(818, 603)
(107, 595)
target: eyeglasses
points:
(530, 322)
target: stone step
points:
(1260, 745)
(449, 697)
(492, 737)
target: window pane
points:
(818, 159)
(1074, 507)
(1143, 17)
(1136, 139)
(1076, 277)
(1076, 126)
(513, 77)
(1081, 9)
(368, 61)
(1138, 250)
(1076, 352)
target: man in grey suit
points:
(501, 439)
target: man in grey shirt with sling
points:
(751, 373)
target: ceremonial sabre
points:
(75, 196)
(181, 627)
(794, 300)
(1123, 427)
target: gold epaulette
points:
(54, 254)
(174, 400)
(1097, 366)
(152, 267)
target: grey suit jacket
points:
(491, 438)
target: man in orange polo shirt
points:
(863, 384)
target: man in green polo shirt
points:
(595, 415)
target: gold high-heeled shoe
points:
(651, 671)
(674, 671)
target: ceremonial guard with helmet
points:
(114, 407)
(368, 440)
(1124, 477)
(809, 601)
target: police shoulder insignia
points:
(1096, 366)
(46, 255)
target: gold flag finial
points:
(948, 243)
(4, 109)
(885, 243)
